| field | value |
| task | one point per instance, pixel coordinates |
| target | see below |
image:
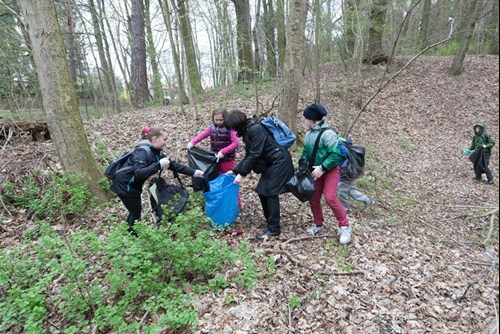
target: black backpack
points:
(120, 163)
(174, 198)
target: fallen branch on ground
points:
(289, 241)
(492, 226)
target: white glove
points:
(198, 173)
(165, 163)
(220, 156)
(190, 145)
(238, 179)
(318, 172)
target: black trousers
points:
(134, 207)
(271, 206)
(488, 172)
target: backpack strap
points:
(146, 148)
(176, 175)
(316, 146)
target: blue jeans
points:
(347, 190)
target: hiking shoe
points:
(345, 235)
(477, 179)
(315, 230)
(369, 204)
(489, 182)
(267, 235)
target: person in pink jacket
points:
(224, 141)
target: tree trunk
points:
(270, 23)
(458, 63)
(183, 98)
(59, 97)
(244, 32)
(377, 26)
(70, 38)
(140, 97)
(424, 27)
(107, 89)
(111, 73)
(493, 28)
(317, 51)
(157, 85)
(189, 48)
(256, 40)
(351, 26)
(280, 14)
(292, 74)
(117, 52)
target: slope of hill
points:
(426, 243)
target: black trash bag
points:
(354, 165)
(205, 161)
(478, 158)
(302, 183)
(174, 197)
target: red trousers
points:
(328, 185)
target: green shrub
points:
(87, 281)
(52, 198)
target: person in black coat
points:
(146, 160)
(263, 156)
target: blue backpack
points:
(283, 136)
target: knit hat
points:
(315, 112)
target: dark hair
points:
(236, 120)
(221, 111)
(155, 132)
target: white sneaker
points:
(345, 235)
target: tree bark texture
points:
(138, 67)
(189, 47)
(458, 63)
(244, 40)
(377, 25)
(292, 73)
(70, 38)
(151, 50)
(58, 93)
(280, 16)
(424, 27)
(270, 24)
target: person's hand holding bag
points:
(318, 172)
(165, 163)
(199, 173)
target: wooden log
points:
(378, 57)
(39, 131)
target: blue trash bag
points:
(221, 202)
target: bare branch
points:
(383, 85)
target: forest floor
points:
(431, 238)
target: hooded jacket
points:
(264, 155)
(329, 155)
(130, 182)
(483, 138)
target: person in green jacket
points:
(482, 141)
(325, 170)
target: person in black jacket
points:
(146, 160)
(263, 156)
